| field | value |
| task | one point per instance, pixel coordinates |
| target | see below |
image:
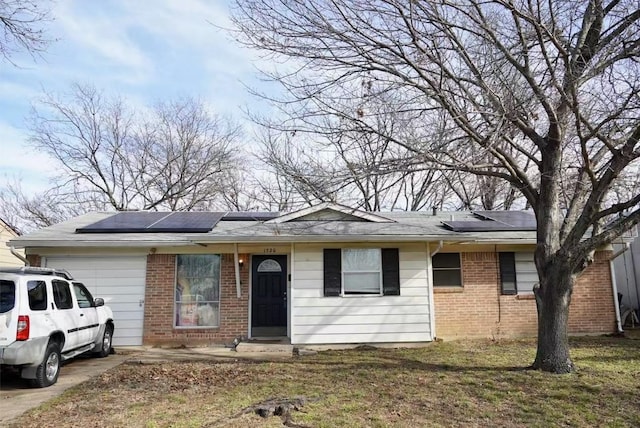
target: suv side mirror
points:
(98, 301)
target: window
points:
(446, 270)
(361, 271)
(84, 298)
(197, 297)
(269, 265)
(518, 273)
(37, 291)
(7, 295)
(508, 282)
(62, 294)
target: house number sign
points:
(269, 250)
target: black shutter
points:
(508, 273)
(332, 272)
(390, 272)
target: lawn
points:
(471, 383)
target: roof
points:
(9, 227)
(308, 225)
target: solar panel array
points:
(156, 222)
(153, 222)
(496, 221)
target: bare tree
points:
(107, 157)
(20, 23)
(555, 83)
(359, 166)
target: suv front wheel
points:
(49, 369)
(105, 347)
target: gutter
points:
(20, 256)
(614, 285)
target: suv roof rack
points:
(38, 271)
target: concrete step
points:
(246, 347)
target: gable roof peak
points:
(347, 214)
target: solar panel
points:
(476, 226)
(193, 222)
(130, 221)
(503, 221)
(154, 222)
(519, 219)
(250, 215)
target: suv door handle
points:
(81, 315)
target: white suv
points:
(46, 317)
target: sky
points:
(145, 51)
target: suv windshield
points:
(7, 295)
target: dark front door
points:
(269, 296)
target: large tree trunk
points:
(552, 300)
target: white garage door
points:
(120, 282)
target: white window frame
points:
(177, 302)
(343, 293)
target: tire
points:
(49, 369)
(105, 345)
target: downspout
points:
(236, 263)
(290, 295)
(614, 285)
(432, 305)
(20, 256)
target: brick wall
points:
(479, 310)
(34, 259)
(159, 305)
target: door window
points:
(269, 265)
(84, 298)
(62, 294)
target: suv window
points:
(84, 298)
(7, 295)
(37, 291)
(62, 294)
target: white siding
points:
(316, 319)
(6, 258)
(120, 281)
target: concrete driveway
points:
(16, 396)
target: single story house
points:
(327, 274)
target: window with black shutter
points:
(361, 271)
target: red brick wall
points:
(34, 260)
(478, 309)
(159, 305)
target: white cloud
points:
(21, 161)
(102, 34)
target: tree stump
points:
(278, 407)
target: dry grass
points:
(473, 383)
